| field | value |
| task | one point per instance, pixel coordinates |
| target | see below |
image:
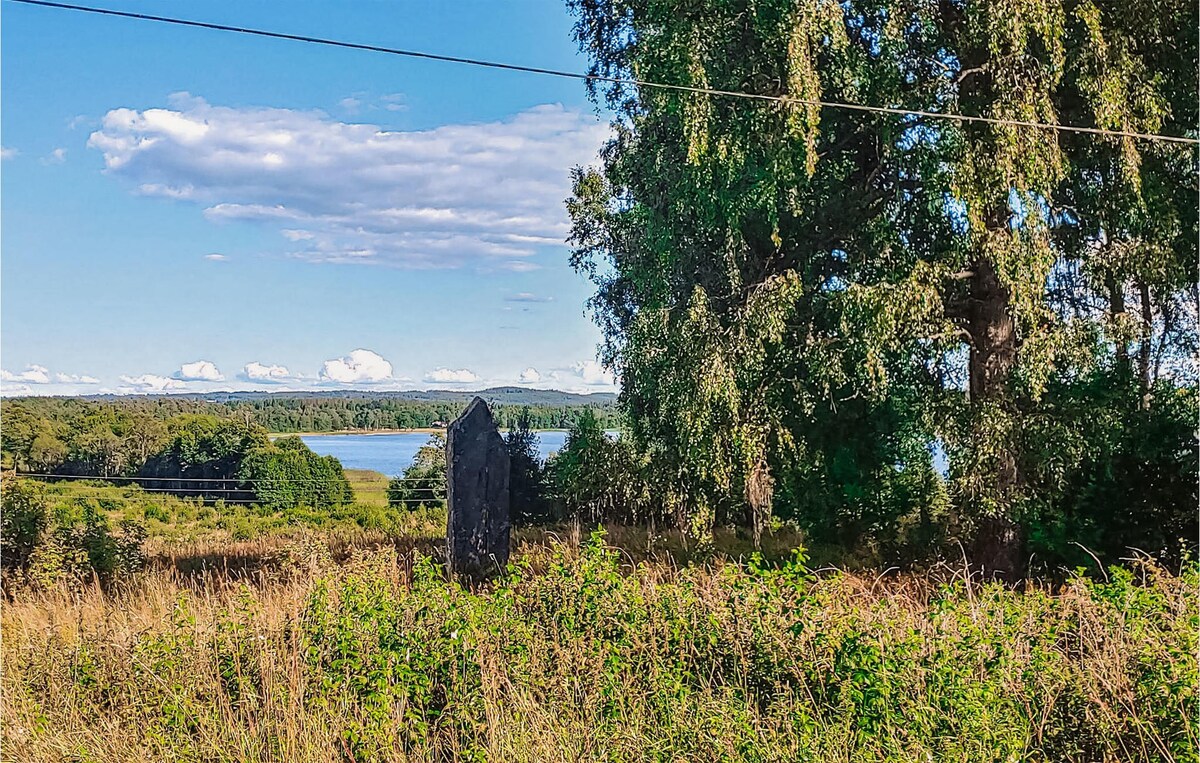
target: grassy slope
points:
(289, 637)
(370, 487)
(583, 658)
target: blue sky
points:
(186, 210)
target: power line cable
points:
(45, 475)
(786, 99)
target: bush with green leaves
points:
(598, 478)
(1111, 473)
(423, 483)
(286, 474)
(574, 655)
(50, 541)
(528, 492)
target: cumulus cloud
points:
(451, 376)
(260, 372)
(200, 370)
(33, 374)
(57, 156)
(152, 383)
(7, 152)
(590, 373)
(525, 296)
(216, 257)
(529, 376)
(75, 379)
(487, 195)
(360, 366)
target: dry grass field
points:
(311, 648)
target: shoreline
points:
(418, 430)
(374, 432)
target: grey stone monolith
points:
(477, 472)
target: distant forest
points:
(219, 448)
(303, 413)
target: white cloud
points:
(260, 372)
(518, 266)
(7, 152)
(451, 376)
(488, 195)
(216, 257)
(33, 374)
(394, 102)
(357, 367)
(530, 376)
(57, 156)
(75, 379)
(151, 383)
(589, 372)
(40, 375)
(199, 370)
(527, 297)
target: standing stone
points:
(477, 494)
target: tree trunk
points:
(1116, 307)
(993, 356)
(1145, 346)
(993, 335)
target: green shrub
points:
(69, 540)
(423, 483)
(24, 519)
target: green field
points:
(370, 487)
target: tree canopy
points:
(803, 303)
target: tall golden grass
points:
(362, 652)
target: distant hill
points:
(498, 395)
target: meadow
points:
(337, 642)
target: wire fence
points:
(412, 491)
(237, 480)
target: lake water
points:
(392, 453)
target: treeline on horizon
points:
(285, 414)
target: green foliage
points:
(1110, 476)
(49, 542)
(129, 427)
(801, 302)
(24, 519)
(188, 454)
(203, 456)
(527, 489)
(572, 656)
(423, 483)
(598, 478)
(287, 474)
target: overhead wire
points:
(46, 475)
(785, 99)
(413, 493)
